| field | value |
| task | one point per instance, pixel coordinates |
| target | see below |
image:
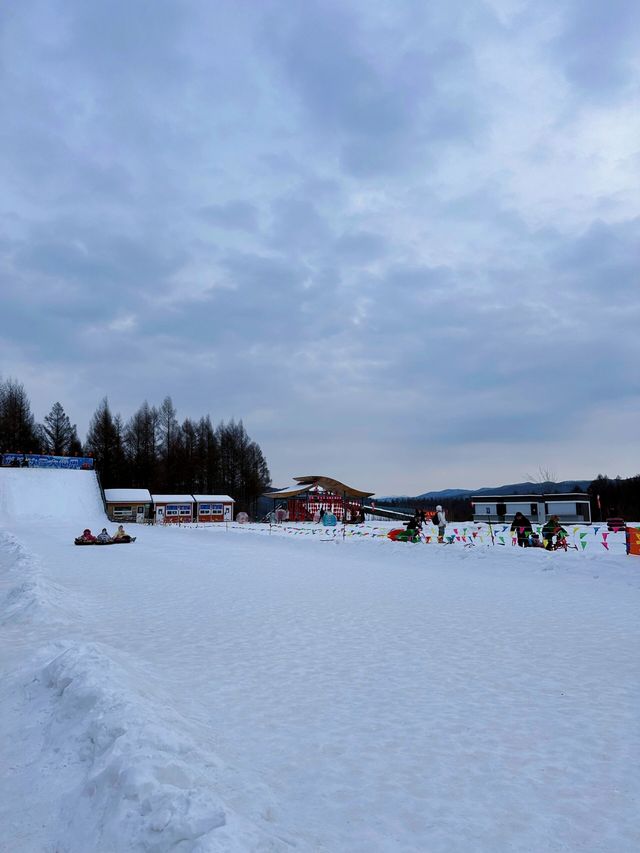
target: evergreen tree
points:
(141, 442)
(169, 442)
(102, 443)
(187, 458)
(58, 433)
(75, 445)
(120, 467)
(208, 456)
(18, 432)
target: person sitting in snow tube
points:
(413, 529)
(87, 538)
(121, 536)
(103, 538)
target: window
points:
(140, 510)
(534, 509)
(210, 509)
(185, 509)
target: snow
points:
(172, 499)
(126, 495)
(213, 499)
(243, 688)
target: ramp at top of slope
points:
(33, 495)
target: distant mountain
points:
(510, 489)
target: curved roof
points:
(326, 483)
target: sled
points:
(123, 541)
(399, 534)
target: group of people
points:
(104, 538)
(526, 537)
(439, 519)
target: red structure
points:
(316, 493)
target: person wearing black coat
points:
(523, 529)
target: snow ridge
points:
(24, 593)
(137, 781)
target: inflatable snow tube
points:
(399, 534)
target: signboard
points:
(210, 509)
(178, 509)
(37, 460)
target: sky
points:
(398, 239)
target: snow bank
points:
(81, 720)
(142, 784)
(25, 594)
(130, 777)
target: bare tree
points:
(543, 475)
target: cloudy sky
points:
(399, 239)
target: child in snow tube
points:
(103, 538)
(121, 536)
(87, 538)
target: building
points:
(572, 506)
(315, 493)
(172, 509)
(128, 504)
(213, 508)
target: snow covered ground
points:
(213, 689)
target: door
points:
(159, 515)
(227, 512)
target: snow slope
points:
(36, 495)
(215, 690)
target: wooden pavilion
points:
(314, 493)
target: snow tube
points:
(81, 541)
(400, 534)
(123, 540)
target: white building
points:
(214, 507)
(173, 509)
(572, 506)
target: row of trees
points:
(20, 432)
(616, 497)
(150, 450)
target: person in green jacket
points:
(553, 528)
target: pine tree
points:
(102, 443)
(18, 432)
(141, 442)
(58, 432)
(208, 456)
(169, 436)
